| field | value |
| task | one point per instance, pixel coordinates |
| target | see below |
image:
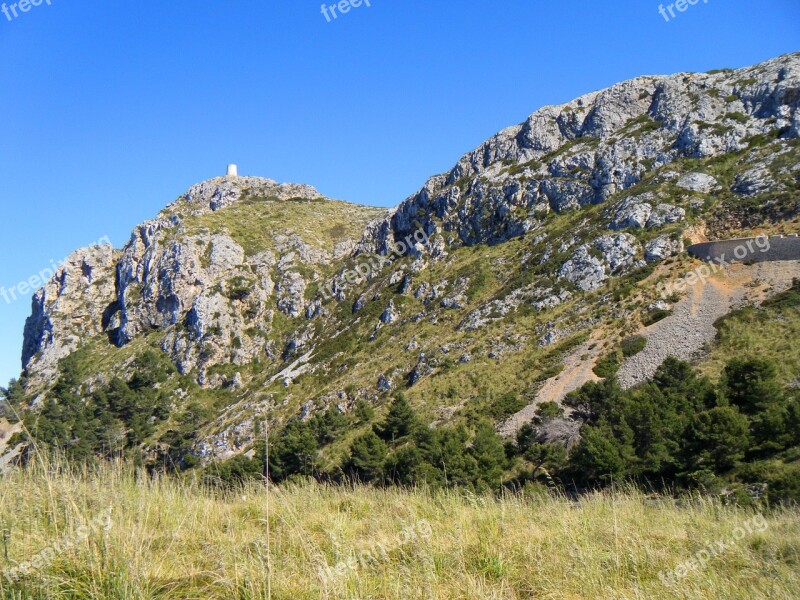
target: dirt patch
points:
(577, 371)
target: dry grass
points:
(173, 539)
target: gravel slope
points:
(684, 334)
(691, 326)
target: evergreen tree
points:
(716, 440)
(13, 395)
(793, 417)
(600, 456)
(364, 412)
(679, 383)
(658, 425)
(400, 423)
(328, 426)
(458, 467)
(751, 384)
(294, 452)
(405, 466)
(526, 438)
(367, 455)
(548, 457)
(429, 442)
(490, 455)
(594, 400)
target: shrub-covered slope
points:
(248, 304)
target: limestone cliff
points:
(269, 295)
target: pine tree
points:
(294, 452)
(400, 423)
(367, 455)
(404, 466)
(489, 453)
(716, 440)
(751, 384)
(600, 456)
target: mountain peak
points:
(220, 192)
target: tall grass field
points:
(118, 533)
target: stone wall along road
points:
(748, 250)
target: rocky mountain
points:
(275, 303)
(210, 267)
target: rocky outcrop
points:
(77, 303)
(697, 182)
(661, 248)
(215, 303)
(220, 192)
(754, 181)
(564, 157)
(591, 264)
(390, 315)
(584, 271)
(634, 213)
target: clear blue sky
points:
(110, 110)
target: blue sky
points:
(110, 110)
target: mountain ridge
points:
(553, 230)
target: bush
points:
(788, 299)
(608, 366)
(633, 345)
(547, 411)
(506, 405)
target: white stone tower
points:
(233, 171)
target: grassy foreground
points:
(165, 538)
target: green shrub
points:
(549, 373)
(633, 345)
(788, 299)
(607, 366)
(737, 116)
